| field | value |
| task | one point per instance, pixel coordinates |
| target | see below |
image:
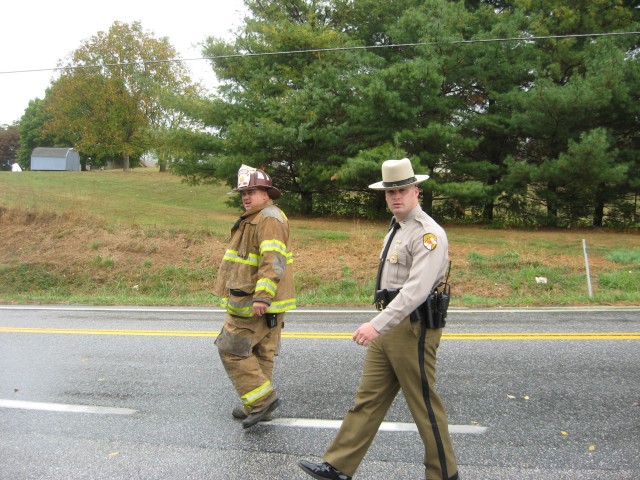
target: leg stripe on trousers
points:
(427, 403)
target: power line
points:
(331, 49)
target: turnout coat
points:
(257, 265)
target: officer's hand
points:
(259, 309)
(365, 334)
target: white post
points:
(586, 262)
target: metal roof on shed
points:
(50, 152)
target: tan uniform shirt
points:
(417, 260)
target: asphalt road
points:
(118, 393)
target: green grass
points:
(141, 197)
(329, 235)
(145, 212)
(344, 290)
(625, 257)
(622, 280)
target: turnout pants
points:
(393, 362)
(247, 348)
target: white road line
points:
(63, 407)
(286, 422)
(384, 427)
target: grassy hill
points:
(146, 238)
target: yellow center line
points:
(91, 331)
(336, 335)
(494, 336)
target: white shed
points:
(45, 158)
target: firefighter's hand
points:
(259, 309)
(365, 334)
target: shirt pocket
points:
(398, 268)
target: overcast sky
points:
(36, 34)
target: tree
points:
(579, 85)
(493, 122)
(32, 134)
(492, 70)
(9, 143)
(304, 115)
(109, 96)
(424, 99)
(283, 112)
(466, 126)
(99, 115)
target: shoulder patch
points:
(430, 241)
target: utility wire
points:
(332, 49)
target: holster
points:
(382, 298)
(432, 313)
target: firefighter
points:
(401, 339)
(255, 285)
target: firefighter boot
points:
(258, 416)
(240, 413)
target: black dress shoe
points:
(322, 470)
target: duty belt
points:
(432, 313)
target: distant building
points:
(45, 158)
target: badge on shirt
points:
(430, 241)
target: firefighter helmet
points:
(251, 178)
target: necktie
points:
(394, 228)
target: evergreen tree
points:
(283, 112)
(579, 85)
(507, 128)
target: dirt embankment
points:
(73, 244)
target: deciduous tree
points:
(32, 133)
(9, 144)
(109, 97)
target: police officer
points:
(255, 285)
(401, 352)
